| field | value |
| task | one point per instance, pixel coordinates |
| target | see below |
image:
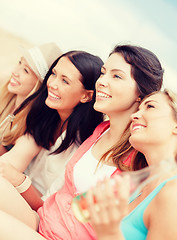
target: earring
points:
(138, 99)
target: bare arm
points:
(33, 197)
(24, 150)
(15, 177)
(14, 162)
(12, 203)
(162, 224)
(18, 230)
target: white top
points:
(47, 171)
(89, 171)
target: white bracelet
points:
(24, 185)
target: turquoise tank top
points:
(132, 226)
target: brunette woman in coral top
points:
(129, 74)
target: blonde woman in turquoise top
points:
(152, 215)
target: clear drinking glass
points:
(5, 124)
(138, 180)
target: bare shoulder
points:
(169, 188)
(167, 194)
(164, 203)
(162, 215)
(26, 137)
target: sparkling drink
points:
(138, 180)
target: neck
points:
(64, 115)
(60, 126)
(19, 100)
(119, 122)
(117, 128)
(155, 154)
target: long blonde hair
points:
(172, 101)
(18, 126)
(139, 159)
(7, 100)
(123, 146)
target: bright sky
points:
(98, 25)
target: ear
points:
(175, 129)
(87, 96)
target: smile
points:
(137, 126)
(53, 96)
(103, 95)
(14, 81)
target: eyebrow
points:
(63, 76)
(114, 70)
(27, 66)
(148, 101)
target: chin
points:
(95, 106)
(134, 141)
(98, 108)
(11, 90)
(49, 104)
(137, 144)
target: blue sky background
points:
(98, 25)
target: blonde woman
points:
(26, 78)
(152, 215)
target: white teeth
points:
(12, 80)
(53, 96)
(137, 127)
(100, 94)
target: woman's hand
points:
(11, 174)
(111, 206)
(15, 177)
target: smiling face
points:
(116, 90)
(65, 89)
(154, 124)
(23, 79)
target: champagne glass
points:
(6, 123)
(138, 180)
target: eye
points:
(19, 62)
(116, 76)
(26, 70)
(53, 73)
(102, 74)
(150, 106)
(65, 81)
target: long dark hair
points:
(147, 71)
(146, 68)
(42, 121)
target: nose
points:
(136, 115)
(16, 70)
(52, 83)
(102, 81)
